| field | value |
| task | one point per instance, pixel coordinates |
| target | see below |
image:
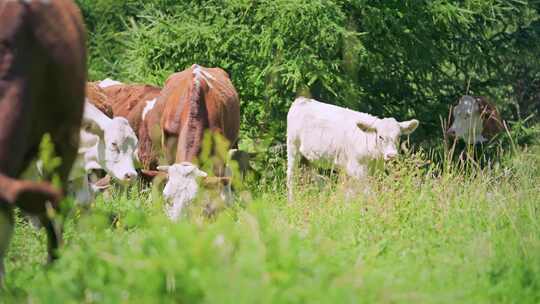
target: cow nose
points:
(390, 156)
(130, 175)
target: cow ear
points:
(407, 127)
(366, 127)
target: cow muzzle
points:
(390, 156)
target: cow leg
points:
(6, 230)
(359, 174)
(292, 162)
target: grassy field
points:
(419, 236)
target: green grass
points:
(417, 237)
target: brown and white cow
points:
(192, 102)
(42, 81)
(475, 120)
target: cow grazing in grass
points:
(331, 136)
(475, 120)
(192, 103)
(181, 188)
(42, 88)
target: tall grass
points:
(420, 235)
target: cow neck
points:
(192, 133)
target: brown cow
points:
(42, 78)
(475, 120)
(193, 101)
(130, 100)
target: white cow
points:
(331, 136)
(181, 187)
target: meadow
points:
(430, 229)
(423, 234)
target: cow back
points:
(129, 100)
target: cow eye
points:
(381, 138)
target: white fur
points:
(200, 73)
(181, 188)
(108, 144)
(108, 83)
(331, 136)
(148, 107)
(468, 124)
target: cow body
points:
(192, 102)
(475, 120)
(335, 137)
(42, 79)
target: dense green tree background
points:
(390, 58)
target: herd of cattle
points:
(137, 130)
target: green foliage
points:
(49, 161)
(391, 58)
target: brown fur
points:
(492, 122)
(129, 100)
(182, 114)
(491, 119)
(96, 96)
(42, 78)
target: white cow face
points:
(181, 187)
(116, 144)
(116, 150)
(387, 132)
(467, 123)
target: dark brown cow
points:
(475, 120)
(42, 78)
(193, 101)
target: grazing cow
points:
(331, 136)
(192, 102)
(108, 144)
(181, 187)
(42, 84)
(475, 120)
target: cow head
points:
(181, 187)
(387, 132)
(467, 123)
(115, 144)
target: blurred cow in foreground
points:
(42, 79)
(331, 136)
(475, 120)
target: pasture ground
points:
(420, 236)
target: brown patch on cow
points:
(42, 89)
(492, 122)
(96, 96)
(129, 100)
